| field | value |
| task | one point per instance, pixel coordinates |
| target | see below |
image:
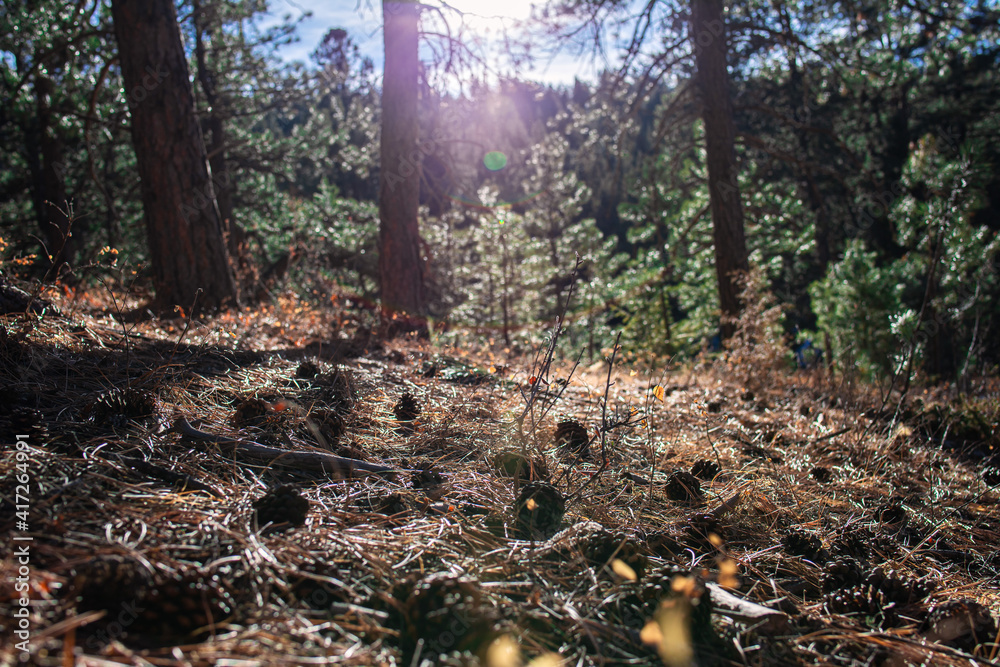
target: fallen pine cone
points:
(539, 510)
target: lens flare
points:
(469, 197)
(495, 160)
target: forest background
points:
(866, 142)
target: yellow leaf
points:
(547, 660)
(659, 392)
(650, 634)
(727, 573)
(684, 585)
(675, 647)
(622, 569)
(503, 652)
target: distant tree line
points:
(862, 168)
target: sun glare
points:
(492, 18)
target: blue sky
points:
(363, 21)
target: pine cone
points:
(601, 548)
(821, 474)
(117, 407)
(866, 602)
(147, 607)
(853, 541)
(802, 543)
(108, 582)
(700, 526)
(329, 423)
(406, 409)
(336, 390)
(181, 605)
(448, 614)
(516, 464)
(705, 469)
(892, 512)
(572, 440)
(307, 370)
(962, 623)
(843, 572)
(539, 510)
(29, 422)
(884, 599)
(252, 412)
(280, 506)
(899, 588)
(682, 486)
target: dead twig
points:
(318, 461)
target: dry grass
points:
(354, 584)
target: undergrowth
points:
(757, 354)
(636, 495)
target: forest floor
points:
(611, 515)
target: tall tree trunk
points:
(881, 231)
(821, 234)
(62, 243)
(184, 231)
(400, 263)
(213, 128)
(708, 34)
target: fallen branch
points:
(727, 505)
(766, 620)
(180, 480)
(253, 451)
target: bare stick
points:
(320, 461)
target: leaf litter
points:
(838, 532)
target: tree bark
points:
(708, 34)
(49, 185)
(185, 235)
(214, 131)
(400, 263)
